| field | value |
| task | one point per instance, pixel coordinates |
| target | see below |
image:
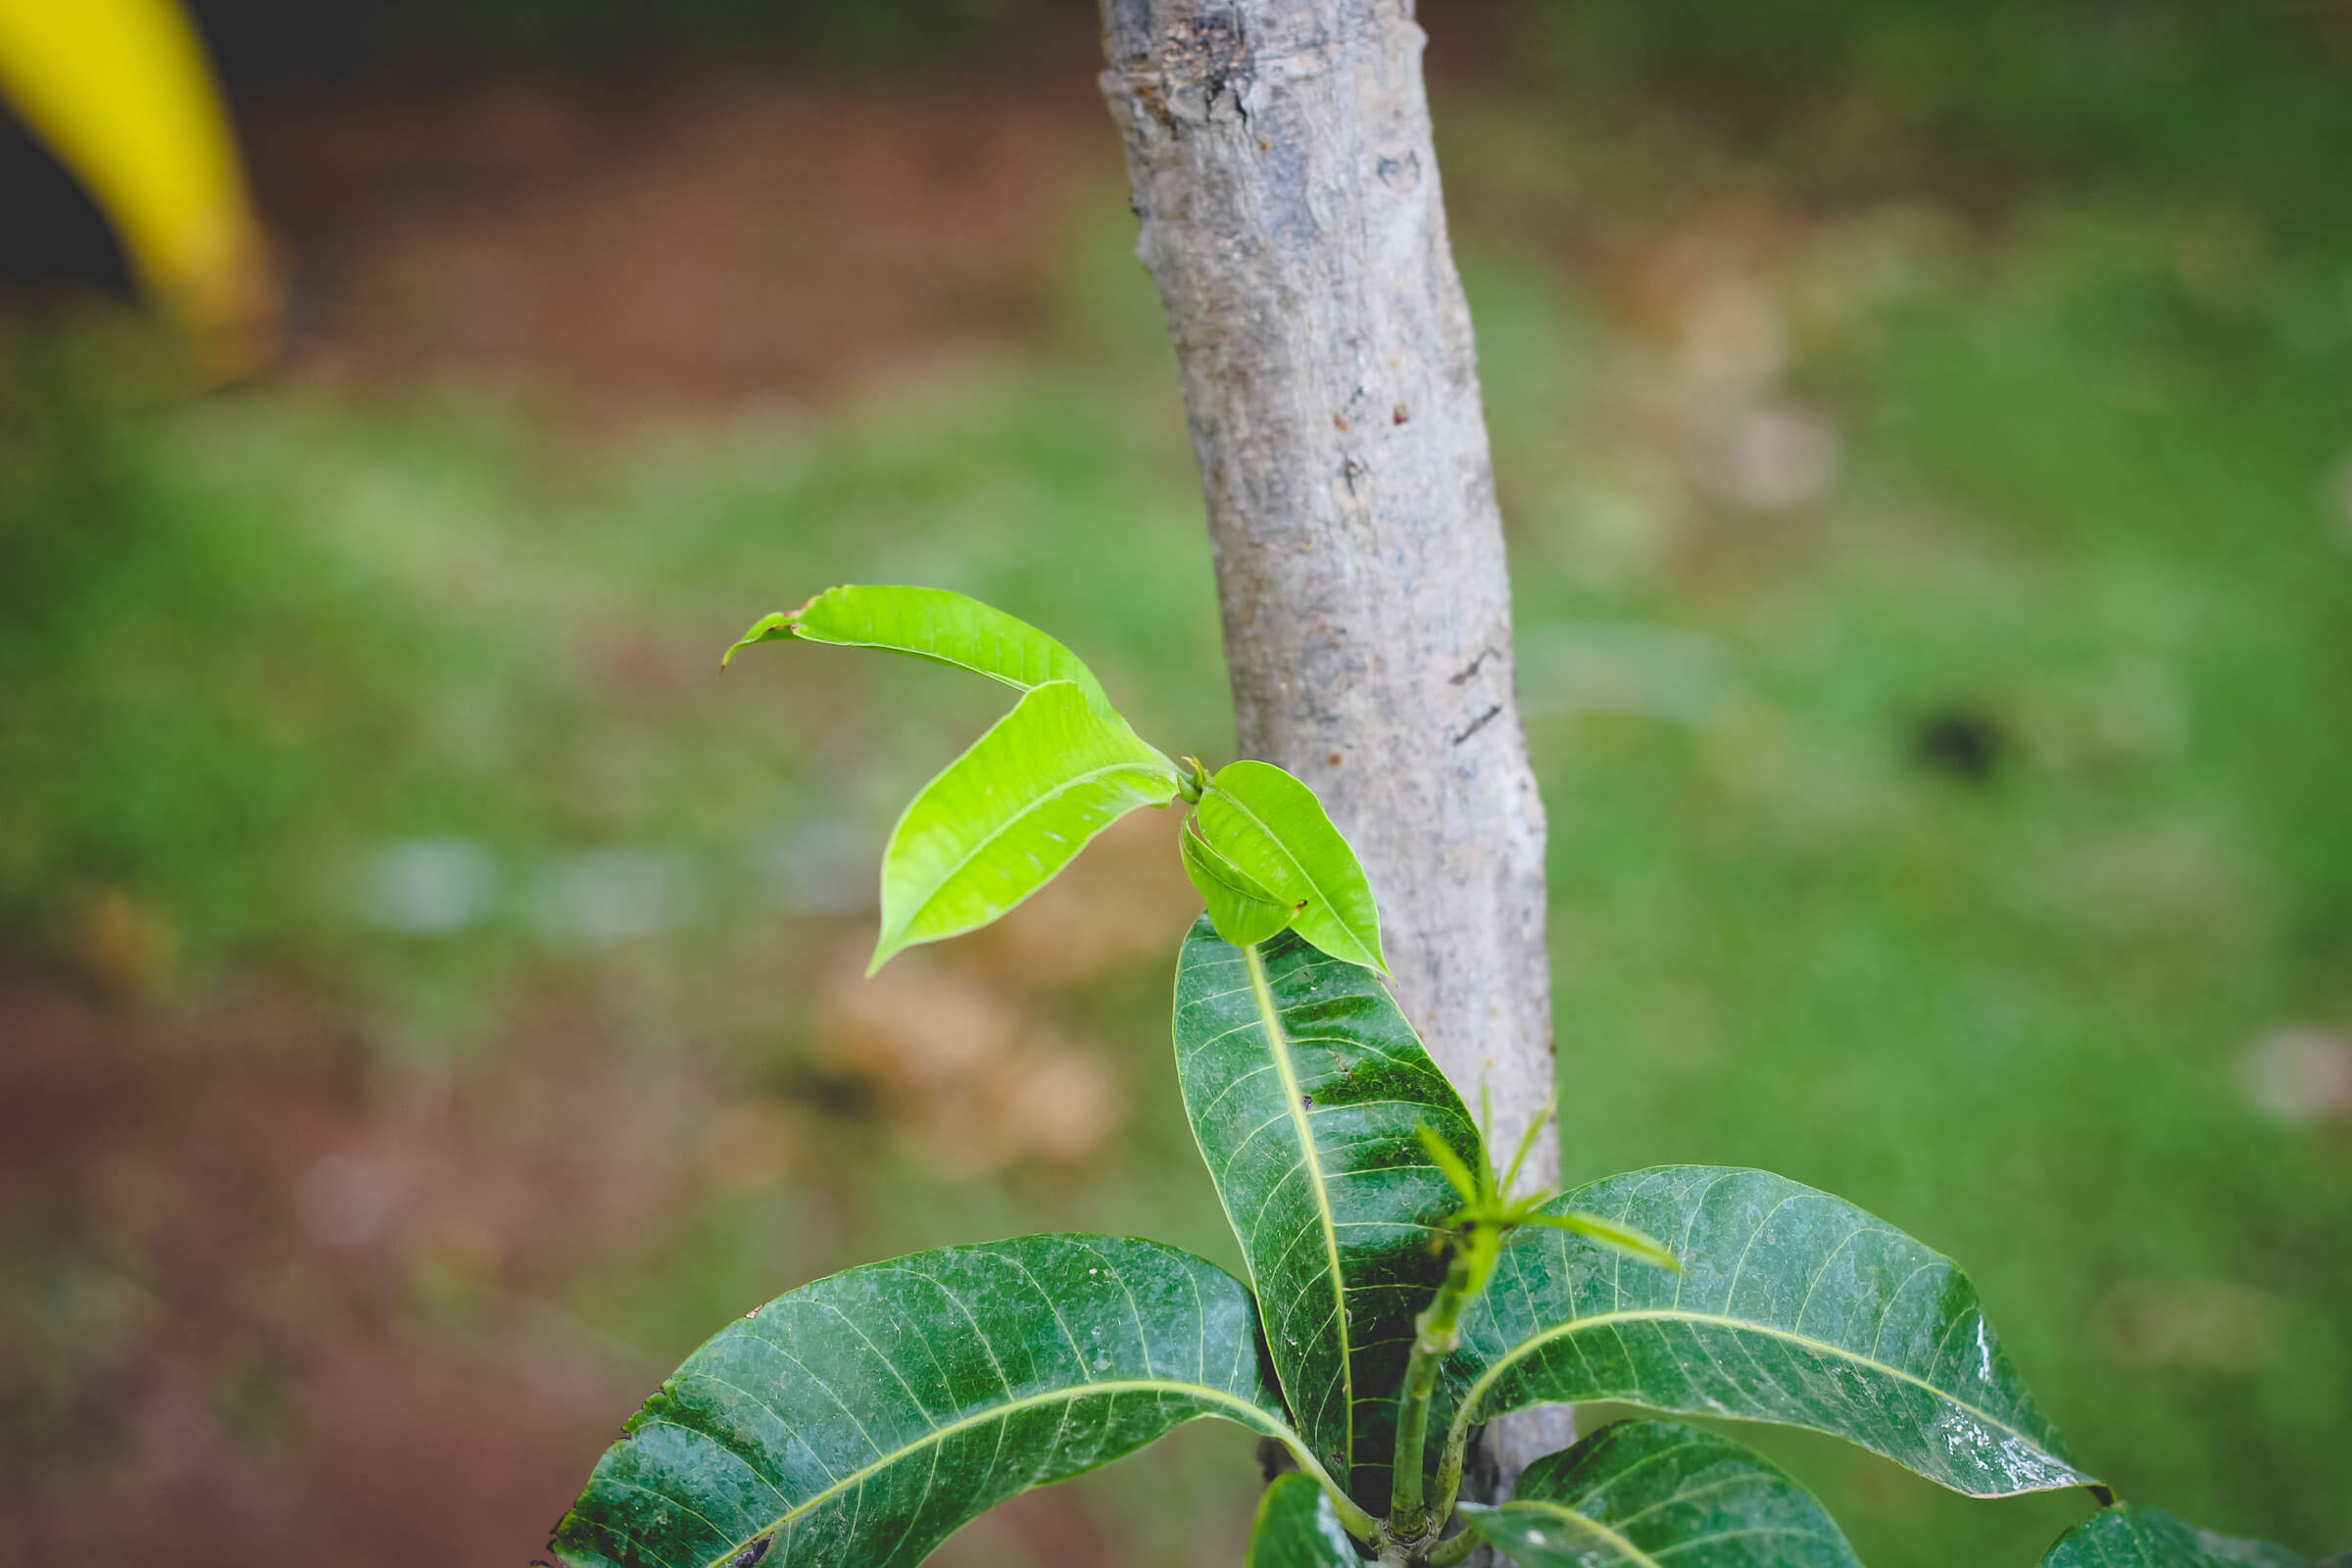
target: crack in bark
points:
(1470, 669)
(1478, 723)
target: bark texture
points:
(1288, 192)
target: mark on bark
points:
(1478, 724)
(1470, 669)
(1224, 50)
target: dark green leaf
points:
(1793, 1306)
(2124, 1537)
(1272, 827)
(1240, 907)
(863, 1418)
(1638, 1493)
(1297, 1528)
(1010, 813)
(932, 625)
(1304, 1085)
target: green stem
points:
(1445, 1553)
(1436, 1337)
(1449, 1467)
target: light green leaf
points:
(1239, 905)
(2124, 1537)
(1010, 813)
(1450, 1164)
(864, 1418)
(1793, 1306)
(1271, 826)
(1610, 1233)
(1304, 1086)
(1297, 1528)
(1638, 1493)
(933, 624)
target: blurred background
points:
(428, 994)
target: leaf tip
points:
(887, 946)
(776, 626)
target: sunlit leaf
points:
(1270, 825)
(2124, 1537)
(1239, 905)
(1639, 1494)
(1297, 1528)
(1793, 1306)
(1305, 1085)
(864, 1418)
(933, 624)
(1010, 813)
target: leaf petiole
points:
(1445, 1553)
(1359, 1524)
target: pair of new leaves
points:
(1004, 818)
(865, 1417)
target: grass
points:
(2088, 509)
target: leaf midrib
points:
(1278, 1043)
(942, 659)
(1222, 869)
(1633, 1553)
(1247, 1414)
(1519, 1352)
(1009, 823)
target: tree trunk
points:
(1288, 191)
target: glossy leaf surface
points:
(933, 624)
(1010, 813)
(1296, 1527)
(1271, 826)
(1639, 1494)
(1241, 909)
(1793, 1306)
(2124, 1537)
(863, 1418)
(1304, 1086)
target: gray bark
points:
(1290, 217)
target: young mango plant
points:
(1399, 1295)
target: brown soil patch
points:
(686, 242)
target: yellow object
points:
(119, 90)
